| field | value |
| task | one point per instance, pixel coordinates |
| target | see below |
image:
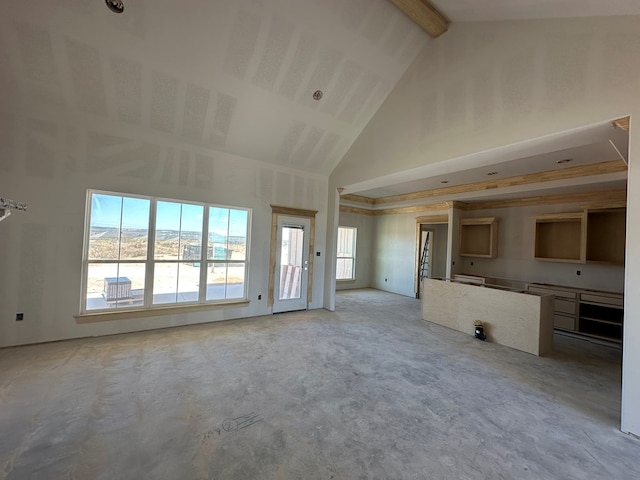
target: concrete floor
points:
(368, 392)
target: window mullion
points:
(149, 264)
(204, 255)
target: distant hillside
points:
(161, 235)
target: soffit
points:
(597, 154)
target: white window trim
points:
(148, 308)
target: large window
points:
(346, 263)
(142, 252)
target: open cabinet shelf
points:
(591, 236)
(479, 237)
(591, 313)
(606, 231)
(559, 237)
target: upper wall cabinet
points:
(606, 233)
(590, 236)
(479, 237)
(559, 237)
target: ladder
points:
(424, 260)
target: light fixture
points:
(317, 95)
(116, 6)
(564, 160)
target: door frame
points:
(299, 302)
(276, 211)
(422, 224)
(423, 231)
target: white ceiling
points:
(492, 10)
(232, 76)
(224, 76)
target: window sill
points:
(103, 316)
(348, 280)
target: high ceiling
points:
(224, 76)
(232, 76)
(487, 175)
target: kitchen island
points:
(514, 318)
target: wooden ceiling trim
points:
(601, 168)
(431, 219)
(358, 199)
(296, 212)
(617, 197)
(413, 209)
(359, 211)
(424, 15)
(622, 123)
(611, 198)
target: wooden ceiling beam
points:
(622, 123)
(425, 15)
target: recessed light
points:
(565, 160)
(492, 173)
(116, 6)
(317, 95)
(444, 181)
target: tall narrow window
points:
(118, 239)
(142, 252)
(346, 262)
(178, 241)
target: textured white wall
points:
(394, 253)
(485, 85)
(50, 167)
(631, 345)
(395, 244)
(387, 250)
(516, 238)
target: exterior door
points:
(292, 264)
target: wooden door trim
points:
(276, 211)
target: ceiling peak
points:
(425, 15)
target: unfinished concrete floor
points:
(368, 392)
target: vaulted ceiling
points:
(224, 76)
(232, 76)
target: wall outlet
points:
(578, 272)
(19, 317)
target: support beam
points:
(425, 15)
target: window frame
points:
(352, 257)
(150, 261)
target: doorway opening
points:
(431, 248)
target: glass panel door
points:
(292, 264)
